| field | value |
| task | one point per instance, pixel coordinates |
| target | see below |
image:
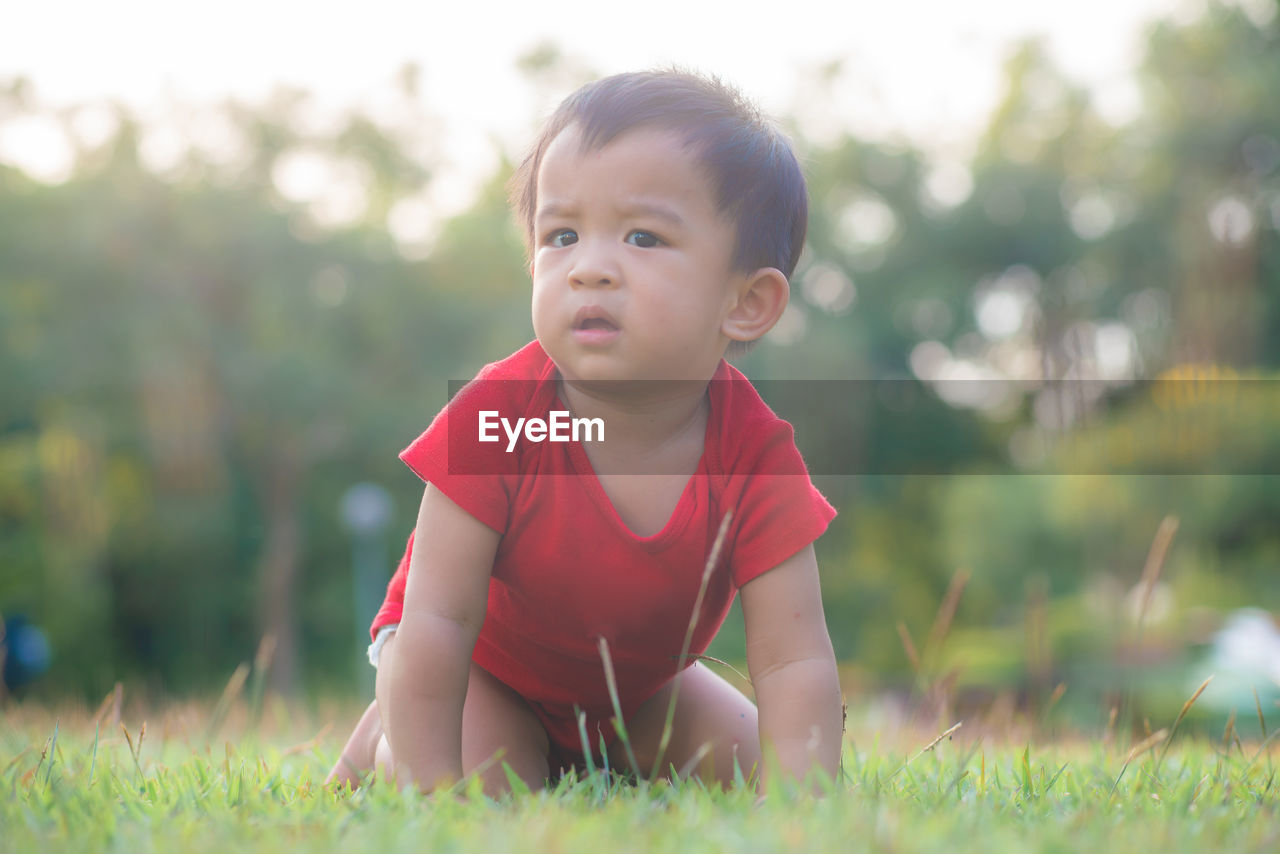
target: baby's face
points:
(631, 265)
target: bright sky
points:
(925, 68)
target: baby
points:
(663, 218)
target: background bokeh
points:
(215, 320)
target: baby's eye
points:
(643, 239)
(562, 237)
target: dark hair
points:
(754, 174)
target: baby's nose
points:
(594, 266)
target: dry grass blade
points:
(1186, 707)
(14, 761)
(1257, 704)
(44, 753)
(133, 754)
(704, 657)
(912, 656)
(1036, 626)
(698, 756)
(53, 752)
(1145, 745)
(310, 744)
(930, 746)
(1138, 749)
(1055, 697)
(1151, 570)
(611, 681)
(1262, 748)
(482, 767)
(946, 613)
(1155, 564)
(712, 559)
(266, 652)
(229, 695)
(261, 667)
(112, 702)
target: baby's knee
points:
(383, 762)
(737, 749)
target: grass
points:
(245, 774)
(75, 782)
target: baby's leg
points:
(494, 718)
(709, 712)
(497, 722)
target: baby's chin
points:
(632, 388)
(584, 367)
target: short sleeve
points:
(393, 604)
(472, 474)
(778, 509)
(462, 453)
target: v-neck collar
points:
(689, 497)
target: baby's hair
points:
(754, 173)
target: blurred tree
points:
(1212, 188)
(185, 363)
(200, 351)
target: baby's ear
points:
(761, 299)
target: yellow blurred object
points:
(1191, 383)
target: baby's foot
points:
(357, 757)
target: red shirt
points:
(568, 570)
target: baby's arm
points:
(793, 667)
(444, 606)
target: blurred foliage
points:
(197, 360)
(193, 374)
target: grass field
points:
(200, 779)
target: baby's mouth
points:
(594, 327)
(593, 318)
